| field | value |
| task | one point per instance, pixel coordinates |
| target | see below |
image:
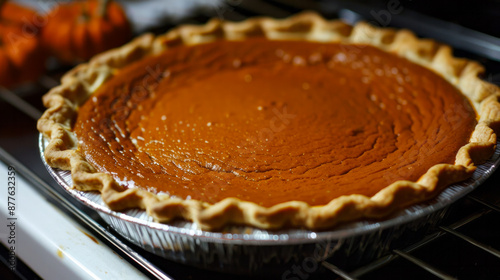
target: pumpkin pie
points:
(300, 122)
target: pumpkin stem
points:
(102, 7)
(85, 15)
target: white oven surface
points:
(51, 243)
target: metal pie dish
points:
(243, 250)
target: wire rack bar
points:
(424, 265)
(48, 82)
(19, 103)
(472, 241)
(487, 204)
(378, 263)
(337, 271)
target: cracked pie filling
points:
(272, 121)
(272, 133)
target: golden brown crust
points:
(77, 85)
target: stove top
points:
(465, 245)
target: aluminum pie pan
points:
(184, 242)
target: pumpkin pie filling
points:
(272, 121)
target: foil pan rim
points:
(249, 236)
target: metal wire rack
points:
(447, 232)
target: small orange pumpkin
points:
(21, 15)
(22, 57)
(78, 30)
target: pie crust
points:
(81, 82)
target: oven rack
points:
(450, 229)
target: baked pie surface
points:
(316, 124)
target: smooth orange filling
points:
(272, 121)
